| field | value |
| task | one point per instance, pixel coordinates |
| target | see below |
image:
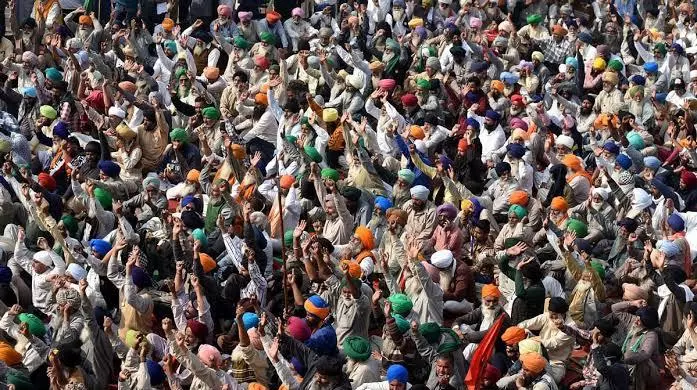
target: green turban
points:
(406, 175)
(450, 343)
(34, 324)
(330, 173)
(19, 380)
(615, 65)
(313, 154)
(511, 242)
(430, 331)
(103, 197)
(518, 210)
(661, 47)
(305, 121)
(288, 238)
(357, 348)
(171, 46)
(635, 90)
(534, 19)
(179, 134)
(48, 112)
(635, 140)
(578, 227)
(267, 37)
(598, 268)
(211, 113)
(180, 72)
(401, 322)
(423, 84)
(241, 42)
(53, 74)
(291, 139)
(70, 224)
(200, 235)
(401, 304)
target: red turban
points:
(298, 329)
(409, 100)
(128, 87)
(287, 181)
(47, 181)
(273, 17)
(262, 62)
(198, 329)
(387, 84)
(689, 179)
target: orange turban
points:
(520, 198)
(572, 162)
(490, 290)
(273, 17)
(513, 335)
(354, 269)
(558, 29)
(497, 85)
(168, 24)
(287, 181)
(128, 87)
(193, 175)
(84, 19)
(9, 355)
(533, 362)
(207, 262)
(398, 214)
(211, 72)
(238, 152)
(559, 203)
(417, 132)
(261, 98)
(604, 120)
(366, 237)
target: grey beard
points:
(83, 34)
(488, 313)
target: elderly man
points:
(447, 235)
(421, 221)
(298, 29)
(350, 306)
(391, 245)
(475, 325)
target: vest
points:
(132, 319)
(212, 212)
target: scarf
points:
(665, 294)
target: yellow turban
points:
(599, 63)
(415, 22)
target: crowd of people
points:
(348, 194)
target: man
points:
(360, 367)
(475, 325)
(609, 100)
(533, 374)
(500, 191)
(447, 235)
(397, 378)
(421, 212)
(589, 289)
(391, 244)
(555, 48)
(271, 24)
(298, 28)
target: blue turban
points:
(624, 161)
(109, 168)
(638, 80)
(250, 320)
(516, 150)
(28, 91)
(502, 167)
(60, 130)
(187, 200)
(585, 37)
(611, 147)
(676, 222)
(668, 247)
(323, 341)
(140, 277)
(473, 122)
(509, 78)
(678, 48)
(572, 62)
(493, 115)
(101, 247)
(382, 203)
(648, 317)
(652, 162)
(445, 161)
(155, 372)
(479, 66)
(397, 372)
(661, 97)
(651, 67)
(5, 274)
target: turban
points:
(101, 247)
(397, 372)
(365, 236)
(430, 331)
(131, 338)
(536, 55)
(211, 113)
(502, 167)
(491, 373)
(676, 222)
(471, 122)
(117, 112)
(401, 304)
(519, 211)
(401, 323)
(558, 305)
(6, 274)
(48, 112)
(69, 296)
(506, 26)
(109, 168)
(317, 306)
(207, 262)
(225, 10)
(312, 153)
(585, 37)
(125, 132)
(198, 329)
(490, 290)
(651, 67)
(623, 161)
(689, 179)
(240, 42)
(179, 134)
(597, 266)
(60, 130)
(419, 192)
(383, 203)
(432, 271)
(193, 175)
(209, 355)
(559, 30)
(668, 247)
(323, 341)
(155, 372)
(635, 91)
(211, 72)
(475, 22)
(517, 123)
(513, 335)
(571, 62)
(244, 16)
(615, 65)
(354, 269)
(53, 74)
(559, 203)
(47, 181)
(625, 178)
(297, 12)
(442, 259)
(423, 84)
(273, 17)
(416, 131)
(330, 173)
(250, 320)
(409, 100)
(168, 24)
(448, 210)
(578, 227)
(407, 175)
(415, 22)
(661, 48)
(611, 147)
(397, 213)
(533, 362)
(45, 257)
(28, 91)
(128, 86)
(534, 19)
(493, 115)
(462, 145)
(571, 161)
(357, 348)
(286, 181)
(519, 197)
(261, 98)
(500, 41)
(611, 78)
(599, 63)
(330, 115)
(387, 84)
(267, 37)
(529, 346)
(564, 140)
(633, 292)
(648, 317)
(635, 140)
(497, 85)
(76, 271)
(34, 324)
(8, 354)
(262, 62)
(298, 329)
(140, 278)
(652, 162)
(30, 57)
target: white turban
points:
(45, 257)
(419, 192)
(601, 192)
(641, 199)
(74, 43)
(693, 74)
(442, 259)
(76, 271)
(116, 111)
(668, 247)
(258, 219)
(564, 140)
(355, 81)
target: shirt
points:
(555, 52)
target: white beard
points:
(397, 15)
(445, 279)
(83, 34)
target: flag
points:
(481, 356)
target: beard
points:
(586, 111)
(83, 34)
(515, 111)
(320, 386)
(613, 41)
(444, 12)
(489, 313)
(199, 49)
(183, 92)
(445, 278)
(583, 286)
(596, 205)
(355, 249)
(386, 58)
(397, 231)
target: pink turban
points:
(517, 123)
(387, 84)
(225, 10)
(209, 355)
(298, 329)
(475, 23)
(244, 16)
(297, 12)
